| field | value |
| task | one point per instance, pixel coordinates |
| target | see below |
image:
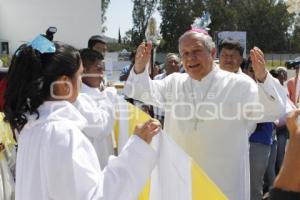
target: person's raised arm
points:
(142, 57)
(287, 183)
(139, 86)
(123, 178)
(271, 94)
(258, 64)
(289, 175)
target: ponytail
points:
(30, 76)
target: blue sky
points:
(119, 14)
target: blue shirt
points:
(126, 70)
(262, 133)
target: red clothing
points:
(291, 86)
(3, 84)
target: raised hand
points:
(258, 64)
(289, 175)
(294, 127)
(148, 130)
(142, 57)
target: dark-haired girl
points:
(55, 160)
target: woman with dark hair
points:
(55, 159)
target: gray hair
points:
(204, 38)
(170, 55)
(281, 68)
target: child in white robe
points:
(97, 106)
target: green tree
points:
(177, 16)
(267, 25)
(142, 11)
(265, 21)
(223, 15)
(295, 40)
(113, 47)
(128, 36)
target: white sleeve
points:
(128, 173)
(273, 97)
(282, 120)
(74, 172)
(264, 102)
(142, 88)
(100, 116)
(111, 95)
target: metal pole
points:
(152, 63)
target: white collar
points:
(57, 111)
(90, 90)
(208, 77)
(239, 71)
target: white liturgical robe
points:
(210, 119)
(56, 161)
(98, 107)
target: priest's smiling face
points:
(197, 58)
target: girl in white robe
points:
(55, 159)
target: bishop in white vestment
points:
(208, 111)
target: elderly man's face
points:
(196, 58)
(172, 64)
(230, 60)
